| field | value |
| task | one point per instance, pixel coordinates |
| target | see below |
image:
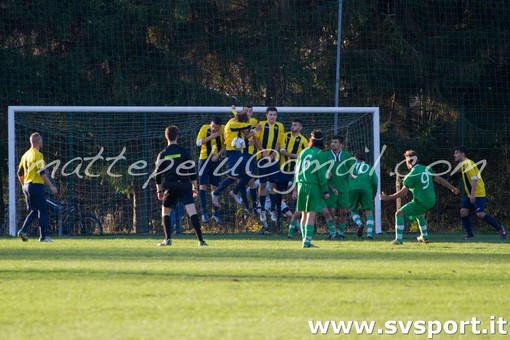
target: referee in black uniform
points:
(176, 180)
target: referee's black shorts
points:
(176, 191)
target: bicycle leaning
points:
(72, 221)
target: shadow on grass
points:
(486, 237)
(237, 276)
(279, 251)
(125, 257)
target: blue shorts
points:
(35, 196)
(236, 163)
(206, 174)
(479, 206)
(251, 163)
(268, 172)
(283, 181)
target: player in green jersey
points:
(338, 184)
(312, 185)
(419, 182)
(362, 190)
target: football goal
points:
(102, 158)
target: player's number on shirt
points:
(425, 180)
(306, 162)
(361, 168)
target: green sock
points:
(341, 228)
(370, 225)
(357, 219)
(399, 228)
(422, 224)
(331, 227)
(302, 231)
(308, 235)
(292, 226)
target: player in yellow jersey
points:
(250, 152)
(238, 126)
(211, 141)
(32, 176)
(476, 198)
(270, 138)
(293, 143)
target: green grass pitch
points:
(243, 286)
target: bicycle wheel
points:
(87, 225)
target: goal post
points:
(116, 138)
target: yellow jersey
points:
(292, 144)
(232, 130)
(270, 136)
(214, 145)
(31, 166)
(250, 148)
(469, 172)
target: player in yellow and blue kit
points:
(270, 137)
(32, 176)
(476, 197)
(293, 143)
(211, 141)
(238, 126)
(249, 152)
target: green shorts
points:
(359, 197)
(341, 201)
(309, 198)
(414, 209)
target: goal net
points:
(102, 158)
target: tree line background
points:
(438, 70)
